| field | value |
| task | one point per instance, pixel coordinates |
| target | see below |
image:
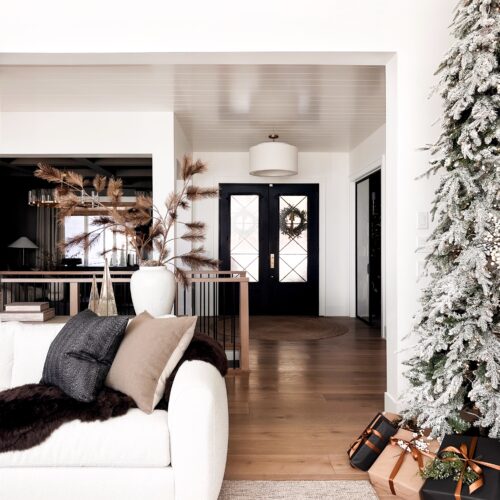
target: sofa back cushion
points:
(6, 355)
(80, 356)
(23, 348)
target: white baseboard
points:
(391, 404)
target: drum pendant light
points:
(273, 159)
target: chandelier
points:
(49, 198)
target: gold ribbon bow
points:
(364, 439)
(409, 447)
(466, 455)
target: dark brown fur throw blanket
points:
(30, 413)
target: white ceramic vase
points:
(153, 290)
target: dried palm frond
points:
(99, 182)
(195, 225)
(133, 222)
(196, 259)
(193, 235)
(137, 217)
(73, 178)
(172, 201)
(48, 173)
(102, 220)
(109, 250)
(157, 229)
(67, 205)
(118, 216)
(158, 246)
(181, 277)
(92, 239)
(61, 191)
(85, 240)
(74, 241)
(189, 168)
(144, 201)
(115, 190)
(197, 250)
(151, 263)
(198, 193)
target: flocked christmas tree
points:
(455, 372)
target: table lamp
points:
(24, 244)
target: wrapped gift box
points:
(365, 450)
(400, 466)
(480, 450)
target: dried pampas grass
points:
(71, 193)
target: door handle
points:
(271, 261)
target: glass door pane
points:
(363, 249)
(244, 236)
(293, 239)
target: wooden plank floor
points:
(303, 402)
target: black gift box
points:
(369, 445)
(487, 450)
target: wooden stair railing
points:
(218, 298)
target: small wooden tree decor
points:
(94, 296)
(107, 303)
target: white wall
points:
(95, 134)
(409, 36)
(365, 158)
(367, 154)
(182, 146)
(331, 172)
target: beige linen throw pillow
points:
(149, 352)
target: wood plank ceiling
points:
(221, 107)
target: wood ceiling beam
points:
(14, 168)
(93, 166)
(134, 172)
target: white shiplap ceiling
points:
(221, 107)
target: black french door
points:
(272, 232)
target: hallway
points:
(303, 402)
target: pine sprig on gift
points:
(458, 425)
(439, 469)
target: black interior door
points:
(368, 249)
(272, 232)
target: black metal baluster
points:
(224, 309)
(216, 310)
(209, 287)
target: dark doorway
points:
(369, 249)
(272, 232)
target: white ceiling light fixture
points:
(273, 159)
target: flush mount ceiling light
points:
(273, 159)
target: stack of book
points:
(27, 311)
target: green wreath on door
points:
(293, 222)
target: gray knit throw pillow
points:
(80, 357)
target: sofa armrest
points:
(198, 426)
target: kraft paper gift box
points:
(483, 452)
(400, 467)
(365, 450)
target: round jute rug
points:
(295, 328)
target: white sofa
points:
(177, 455)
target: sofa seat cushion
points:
(132, 440)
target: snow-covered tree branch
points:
(455, 372)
